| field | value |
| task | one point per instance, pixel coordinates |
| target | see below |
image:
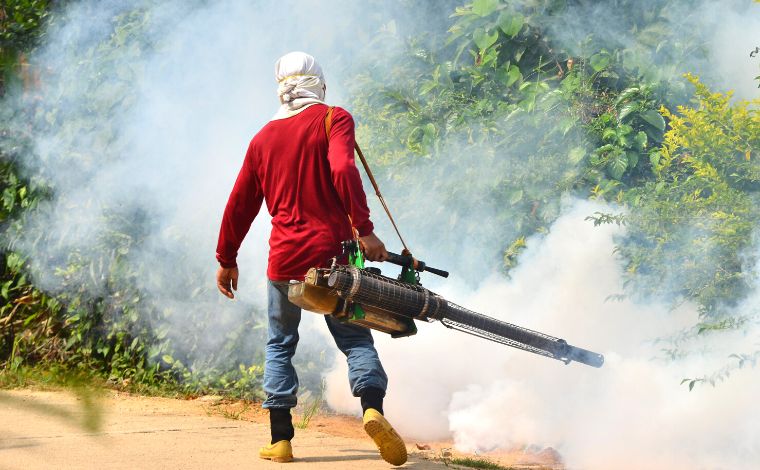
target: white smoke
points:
(632, 413)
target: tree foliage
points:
(691, 226)
(588, 115)
(20, 27)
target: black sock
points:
(281, 424)
(372, 398)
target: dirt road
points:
(162, 433)
(156, 433)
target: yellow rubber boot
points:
(391, 446)
(280, 452)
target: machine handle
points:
(407, 261)
(437, 272)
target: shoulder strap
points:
(328, 126)
(328, 121)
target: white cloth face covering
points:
(300, 83)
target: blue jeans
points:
(280, 378)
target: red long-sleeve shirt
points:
(310, 189)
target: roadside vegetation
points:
(469, 462)
(97, 322)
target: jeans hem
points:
(278, 405)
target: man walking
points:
(314, 194)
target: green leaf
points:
(9, 198)
(31, 317)
(609, 135)
(508, 75)
(414, 138)
(167, 359)
(489, 56)
(14, 262)
(626, 94)
(519, 51)
(599, 61)
(427, 87)
(428, 134)
(6, 288)
(640, 140)
(567, 124)
(576, 154)
(484, 40)
(617, 165)
(654, 158)
(654, 119)
(511, 23)
(515, 197)
(633, 159)
(626, 110)
(484, 7)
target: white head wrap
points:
(301, 83)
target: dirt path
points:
(162, 433)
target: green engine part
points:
(408, 274)
(356, 258)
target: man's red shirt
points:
(310, 189)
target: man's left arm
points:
(242, 207)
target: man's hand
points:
(226, 281)
(373, 248)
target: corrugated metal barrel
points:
(359, 286)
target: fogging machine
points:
(362, 295)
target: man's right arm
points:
(242, 207)
(348, 183)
